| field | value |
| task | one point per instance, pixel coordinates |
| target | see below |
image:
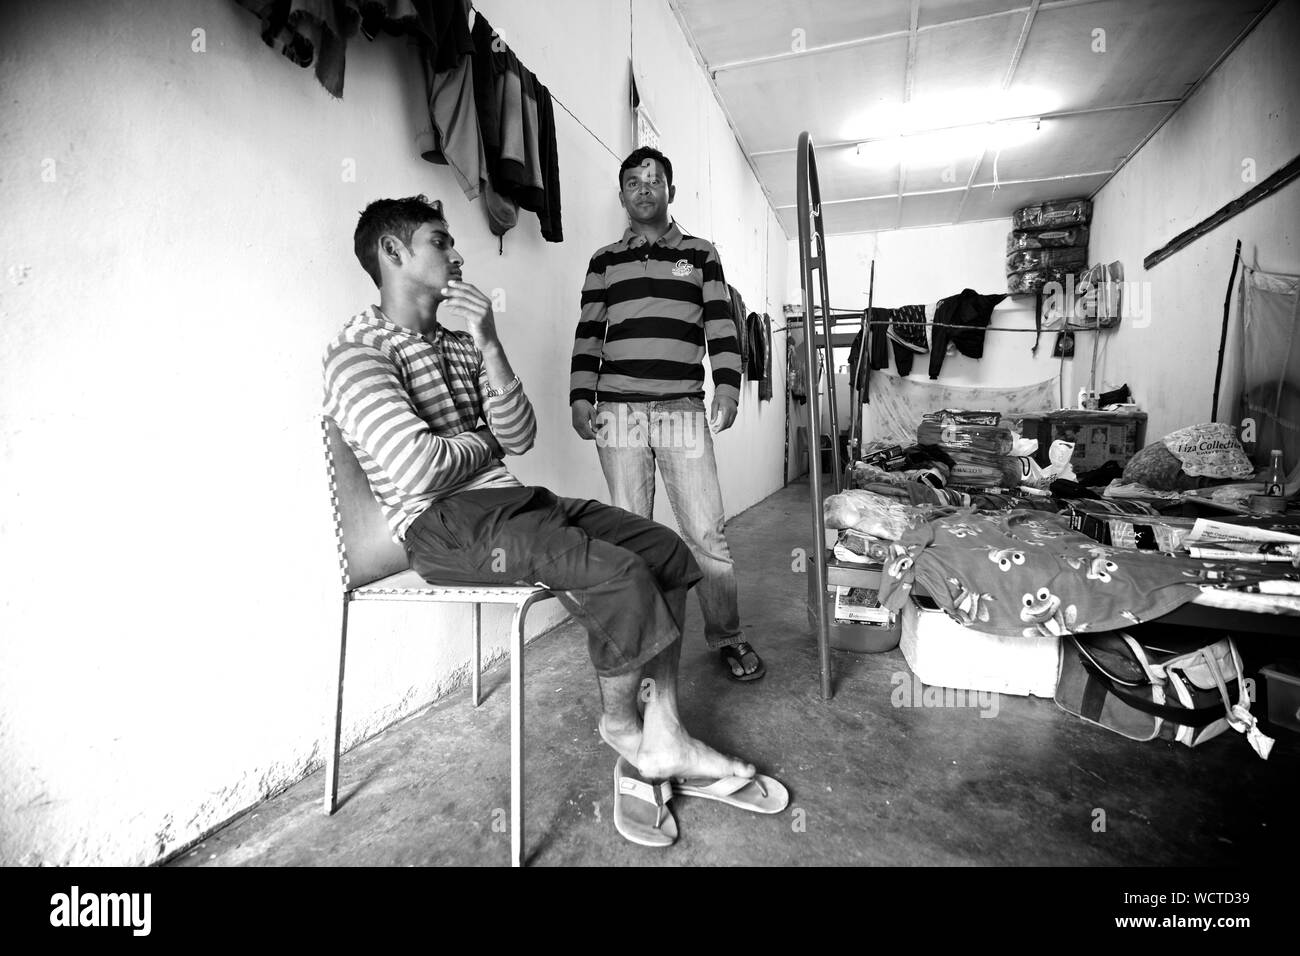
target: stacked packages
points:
(978, 444)
(1048, 243)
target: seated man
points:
(430, 413)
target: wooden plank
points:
(1261, 191)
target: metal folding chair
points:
(374, 567)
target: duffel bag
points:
(1157, 683)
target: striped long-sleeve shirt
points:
(408, 405)
(648, 313)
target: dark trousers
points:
(624, 577)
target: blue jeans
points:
(630, 438)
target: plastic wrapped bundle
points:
(1055, 214)
(1030, 281)
(978, 470)
(1071, 260)
(1075, 236)
(992, 439)
(962, 416)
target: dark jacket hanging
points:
(971, 312)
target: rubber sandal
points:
(760, 793)
(729, 654)
(641, 811)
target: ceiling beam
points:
(908, 80)
(959, 189)
(1006, 85)
(1061, 114)
(881, 37)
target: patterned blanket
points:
(1026, 573)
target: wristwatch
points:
(490, 392)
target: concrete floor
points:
(870, 783)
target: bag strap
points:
(1217, 674)
(1189, 716)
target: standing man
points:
(651, 304)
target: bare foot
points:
(626, 741)
(684, 756)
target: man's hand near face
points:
(465, 301)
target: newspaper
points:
(861, 605)
(1218, 539)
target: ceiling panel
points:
(971, 58)
(1074, 144)
(839, 176)
(939, 172)
(822, 94)
(985, 202)
(730, 30)
(863, 216)
(1153, 49)
(926, 210)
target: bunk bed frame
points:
(812, 259)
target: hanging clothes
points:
(972, 312)
(516, 118)
(755, 348)
(797, 375)
(907, 327)
(859, 364)
(878, 338)
(307, 32)
(452, 113)
(317, 31)
(738, 313)
(765, 384)
(796, 371)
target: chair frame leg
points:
(517, 735)
(516, 715)
(336, 732)
(476, 686)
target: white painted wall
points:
(170, 595)
(1247, 110)
(922, 266)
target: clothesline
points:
(967, 328)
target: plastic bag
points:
(1023, 447)
(867, 512)
(1211, 450)
(1059, 456)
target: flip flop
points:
(760, 793)
(729, 654)
(641, 811)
